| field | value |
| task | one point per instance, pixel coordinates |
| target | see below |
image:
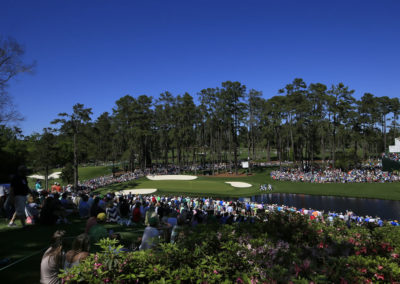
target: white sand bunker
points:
(171, 177)
(239, 184)
(36, 176)
(55, 175)
(138, 191)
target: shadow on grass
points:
(17, 243)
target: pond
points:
(386, 209)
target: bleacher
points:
(389, 164)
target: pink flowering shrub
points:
(288, 248)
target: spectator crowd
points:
(163, 216)
(334, 175)
(392, 156)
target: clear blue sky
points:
(94, 52)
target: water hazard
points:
(386, 209)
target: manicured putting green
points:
(200, 186)
(216, 186)
(207, 185)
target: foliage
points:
(11, 64)
(276, 247)
(304, 123)
(44, 155)
(67, 173)
(73, 124)
(13, 152)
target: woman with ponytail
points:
(53, 260)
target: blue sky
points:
(96, 51)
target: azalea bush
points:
(276, 248)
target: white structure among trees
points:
(396, 147)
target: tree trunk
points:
(280, 154)
(46, 178)
(248, 144)
(355, 149)
(235, 155)
(75, 163)
(212, 153)
(322, 149)
(166, 150)
(292, 140)
(333, 145)
(253, 145)
(179, 158)
(384, 133)
(343, 144)
(194, 161)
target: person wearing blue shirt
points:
(84, 207)
(38, 186)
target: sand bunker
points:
(55, 175)
(239, 184)
(138, 191)
(171, 177)
(36, 176)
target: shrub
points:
(276, 248)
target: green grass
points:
(201, 186)
(216, 186)
(84, 173)
(17, 243)
(390, 191)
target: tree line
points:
(301, 123)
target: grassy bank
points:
(84, 173)
(216, 186)
(17, 243)
(389, 191)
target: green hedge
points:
(389, 165)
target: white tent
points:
(396, 147)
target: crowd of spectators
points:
(174, 169)
(392, 156)
(103, 181)
(107, 180)
(52, 208)
(362, 175)
(163, 216)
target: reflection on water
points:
(386, 209)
